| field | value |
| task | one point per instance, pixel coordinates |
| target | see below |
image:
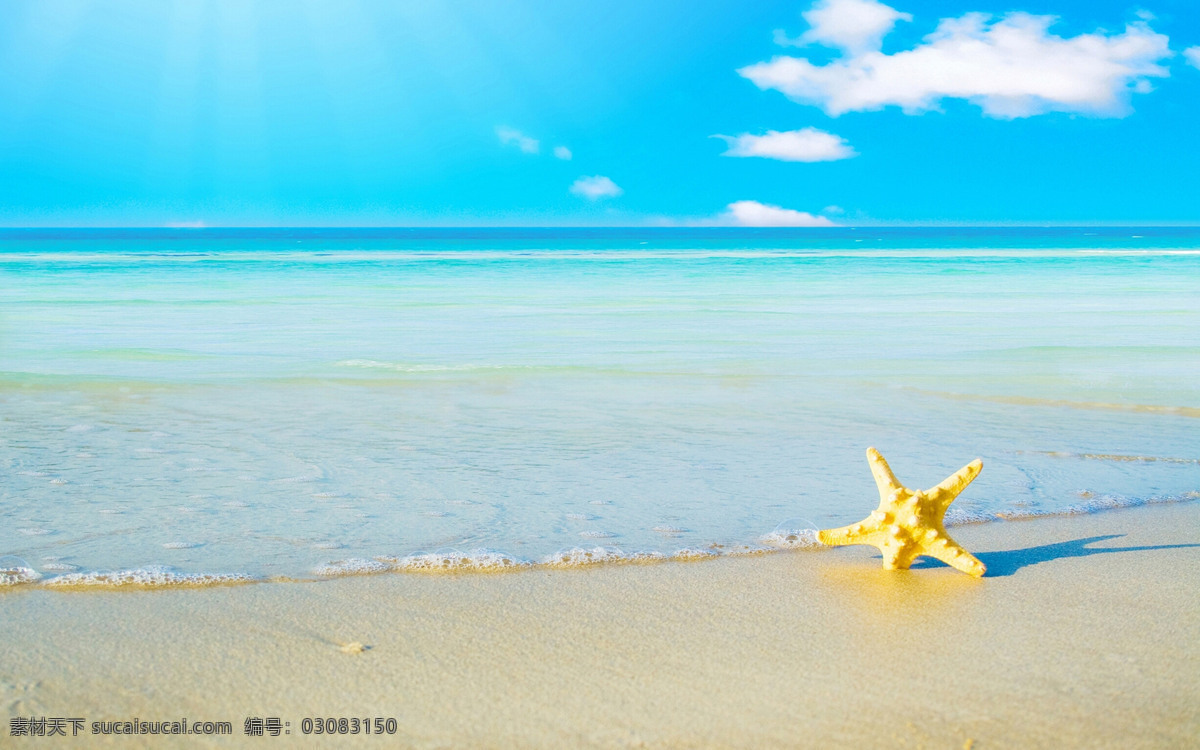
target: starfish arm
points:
(885, 480)
(956, 483)
(957, 557)
(848, 535)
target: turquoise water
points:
(302, 403)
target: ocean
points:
(191, 407)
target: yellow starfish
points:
(908, 524)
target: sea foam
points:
(15, 571)
(354, 566)
(792, 538)
(576, 557)
(479, 560)
(150, 577)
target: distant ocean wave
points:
(371, 364)
(866, 247)
(1182, 411)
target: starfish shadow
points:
(1008, 562)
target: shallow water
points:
(276, 403)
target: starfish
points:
(908, 524)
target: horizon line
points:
(629, 227)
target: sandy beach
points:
(1083, 634)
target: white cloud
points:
(562, 152)
(524, 142)
(854, 26)
(1013, 67)
(808, 144)
(755, 214)
(1193, 55)
(595, 187)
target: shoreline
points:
(484, 561)
(1083, 633)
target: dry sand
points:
(1085, 633)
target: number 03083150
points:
(352, 725)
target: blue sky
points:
(366, 113)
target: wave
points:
(850, 246)
(955, 517)
(15, 572)
(792, 539)
(480, 560)
(371, 364)
(1182, 411)
(151, 577)
(1119, 457)
(1152, 251)
(355, 566)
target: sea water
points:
(198, 406)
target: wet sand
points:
(1085, 633)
